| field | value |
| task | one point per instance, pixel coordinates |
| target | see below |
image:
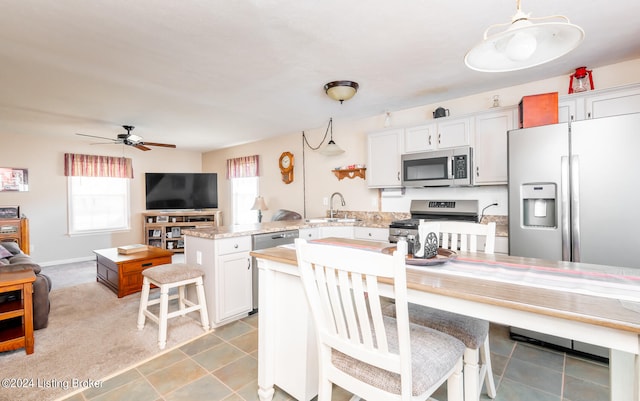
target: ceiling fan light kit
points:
(524, 44)
(341, 90)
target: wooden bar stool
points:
(167, 277)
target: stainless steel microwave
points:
(438, 168)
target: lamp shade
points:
(341, 90)
(332, 149)
(524, 44)
(259, 204)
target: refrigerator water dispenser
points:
(539, 205)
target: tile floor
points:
(223, 365)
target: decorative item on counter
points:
(424, 231)
(431, 245)
(440, 112)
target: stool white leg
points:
(181, 297)
(204, 315)
(162, 320)
(144, 300)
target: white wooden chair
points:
(474, 333)
(375, 357)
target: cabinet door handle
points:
(248, 263)
(439, 135)
(235, 246)
(147, 264)
(477, 171)
(429, 139)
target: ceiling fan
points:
(130, 140)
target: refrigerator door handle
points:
(565, 213)
(575, 208)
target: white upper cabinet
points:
(441, 134)
(614, 103)
(599, 103)
(491, 145)
(383, 158)
(421, 138)
(454, 132)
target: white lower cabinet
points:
(227, 279)
(371, 233)
(336, 231)
(309, 233)
(233, 278)
(234, 296)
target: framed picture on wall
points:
(162, 219)
(14, 179)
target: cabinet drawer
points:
(374, 234)
(232, 245)
(138, 266)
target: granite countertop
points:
(373, 221)
(275, 226)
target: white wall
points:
(351, 136)
(45, 204)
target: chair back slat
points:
(466, 236)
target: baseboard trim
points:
(66, 261)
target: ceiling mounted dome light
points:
(524, 44)
(341, 90)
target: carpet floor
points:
(91, 335)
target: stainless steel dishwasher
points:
(264, 241)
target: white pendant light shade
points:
(524, 44)
(332, 149)
(341, 90)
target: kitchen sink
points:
(332, 220)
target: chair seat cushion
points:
(172, 272)
(471, 331)
(433, 354)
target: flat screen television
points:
(172, 191)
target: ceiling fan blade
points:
(100, 137)
(141, 147)
(165, 145)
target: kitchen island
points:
(223, 254)
(598, 305)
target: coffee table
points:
(123, 273)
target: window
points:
(98, 204)
(243, 194)
(98, 195)
(243, 173)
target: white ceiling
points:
(206, 74)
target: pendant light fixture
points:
(524, 44)
(341, 90)
(332, 149)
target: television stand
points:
(163, 229)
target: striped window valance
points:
(246, 166)
(97, 166)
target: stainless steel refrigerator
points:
(573, 195)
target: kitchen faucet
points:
(331, 203)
